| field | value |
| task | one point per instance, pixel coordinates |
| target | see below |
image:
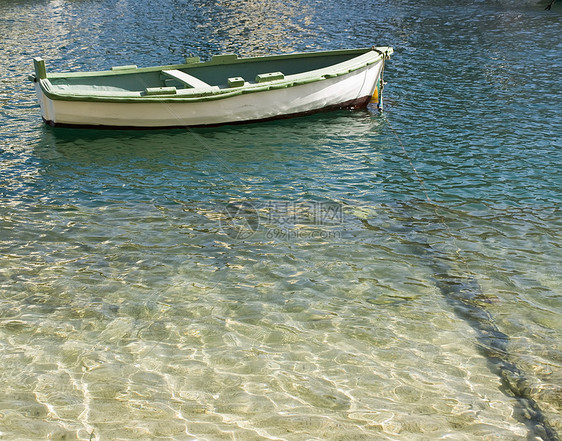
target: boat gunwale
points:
(198, 95)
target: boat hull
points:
(352, 90)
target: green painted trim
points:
(223, 59)
(160, 90)
(40, 69)
(45, 86)
(103, 73)
(365, 57)
(236, 82)
(217, 61)
(127, 67)
(272, 76)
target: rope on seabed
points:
(491, 341)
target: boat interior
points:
(220, 72)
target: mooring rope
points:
(466, 303)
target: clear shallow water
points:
(330, 299)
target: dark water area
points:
(349, 275)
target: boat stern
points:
(38, 78)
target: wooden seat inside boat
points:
(184, 78)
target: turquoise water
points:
(343, 276)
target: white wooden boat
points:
(225, 89)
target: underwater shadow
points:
(462, 291)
